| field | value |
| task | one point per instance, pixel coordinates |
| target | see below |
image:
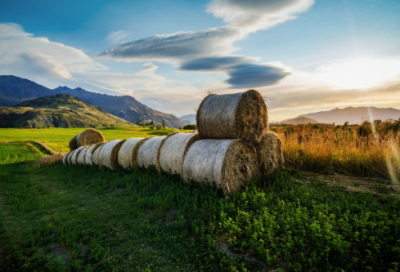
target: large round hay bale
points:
(172, 151)
(126, 154)
(270, 153)
(89, 153)
(108, 155)
(95, 156)
(231, 164)
(86, 137)
(81, 156)
(147, 153)
(74, 158)
(70, 156)
(233, 116)
(64, 160)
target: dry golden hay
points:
(126, 154)
(135, 152)
(172, 151)
(51, 159)
(270, 153)
(74, 157)
(95, 156)
(71, 153)
(231, 164)
(89, 153)
(108, 155)
(64, 160)
(147, 153)
(233, 116)
(86, 137)
(81, 156)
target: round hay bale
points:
(108, 155)
(95, 156)
(229, 163)
(126, 154)
(233, 116)
(86, 137)
(64, 160)
(74, 158)
(81, 156)
(147, 153)
(70, 156)
(89, 153)
(172, 152)
(270, 153)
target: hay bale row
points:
(86, 137)
(108, 155)
(148, 150)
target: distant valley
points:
(14, 90)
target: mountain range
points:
(60, 110)
(14, 90)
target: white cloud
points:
(117, 36)
(148, 68)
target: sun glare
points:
(360, 73)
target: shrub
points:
(190, 127)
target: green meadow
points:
(75, 218)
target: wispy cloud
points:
(117, 36)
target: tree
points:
(143, 123)
(188, 127)
(163, 124)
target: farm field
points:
(74, 218)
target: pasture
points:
(75, 218)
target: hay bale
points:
(229, 163)
(64, 160)
(74, 157)
(71, 153)
(172, 152)
(270, 153)
(51, 159)
(126, 156)
(233, 116)
(147, 153)
(86, 137)
(89, 153)
(108, 155)
(95, 156)
(81, 156)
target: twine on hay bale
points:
(108, 155)
(233, 116)
(86, 137)
(147, 153)
(81, 156)
(89, 153)
(74, 157)
(172, 151)
(95, 156)
(270, 153)
(231, 164)
(126, 154)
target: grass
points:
(369, 150)
(74, 218)
(58, 138)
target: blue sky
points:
(302, 55)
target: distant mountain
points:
(354, 115)
(190, 117)
(299, 120)
(126, 107)
(14, 90)
(61, 110)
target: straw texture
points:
(81, 156)
(126, 154)
(108, 155)
(147, 154)
(64, 160)
(86, 137)
(229, 163)
(95, 156)
(74, 157)
(172, 152)
(270, 153)
(233, 116)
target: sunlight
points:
(360, 73)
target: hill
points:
(14, 90)
(190, 117)
(125, 107)
(299, 120)
(61, 110)
(354, 115)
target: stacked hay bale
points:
(86, 137)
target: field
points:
(74, 218)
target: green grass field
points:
(74, 218)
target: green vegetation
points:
(188, 127)
(58, 138)
(74, 218)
